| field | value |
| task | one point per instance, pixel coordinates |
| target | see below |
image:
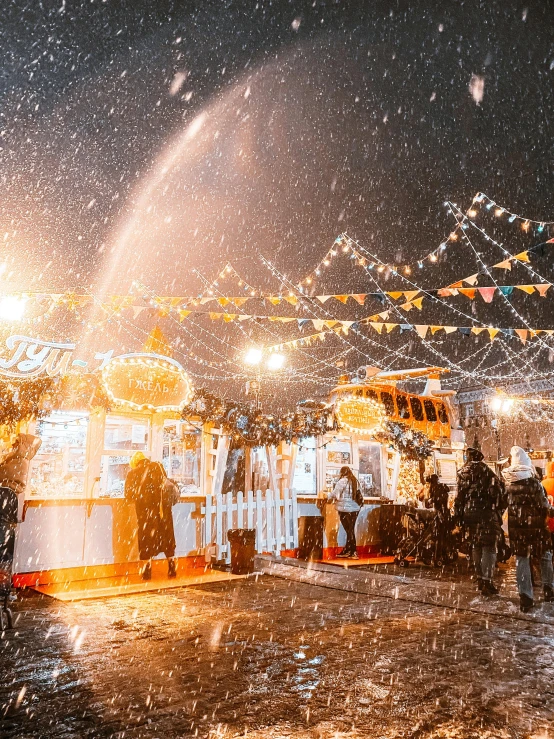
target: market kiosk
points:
(389, 479)
(75, 514)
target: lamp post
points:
(501, 405)
(254, 357)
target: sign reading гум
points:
(359, 415)
(147, 382)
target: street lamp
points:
(502, 406)
(254, 357)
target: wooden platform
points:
(110, 587)
(361, 562)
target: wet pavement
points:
(268, 657)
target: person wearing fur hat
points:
(479, 505)
(528, 510)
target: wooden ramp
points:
(110, 587)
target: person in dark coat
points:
(14, 471)
(479, 505)
(145, 487)
(528, 509)
(438, 494)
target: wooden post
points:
(247, 468)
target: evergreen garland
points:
(21, 400)
(412, 444)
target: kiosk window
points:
(417, 409)
(430, 411)
(443, 415)
(403, 406)
(371, 394)
(388, 402)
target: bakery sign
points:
(359, 415)
(147, 382)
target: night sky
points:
(143, 140)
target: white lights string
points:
(501, 211)
(119, 319)
(454, 366)
(303, 371)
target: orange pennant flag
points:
(526, 289)
(395, 295)
(292, 299)
(238, 301)
(341, 298)
(410, 294)
(469, 292)
(407, 306)
(223, 302)
(522, 333)
(359, 298)
(445, 292)
(434, 329)
(418, 302)
(422, 331)
(542, 289)
(329, 324)
(456, 284)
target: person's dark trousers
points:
(348, 521)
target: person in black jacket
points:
(528, 508)
(479, 505)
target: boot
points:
(480, 584)
(489, 588)
(146, 573)
(171, 567)
(525, 603)
(548, 594)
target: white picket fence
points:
(275, 520)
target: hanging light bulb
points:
(433, 258)
(498, 212)
(525, 225)
(472, 212)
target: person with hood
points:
(346, 496)
(14, 471)
(478, 507)
(528, 509)
(145, 486)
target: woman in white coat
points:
(344, 495)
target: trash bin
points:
(243, 550)
(310, 537)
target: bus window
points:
(402, 405)
(388, 401)
(417, 409)
(430, 411)
(359, 392)
(371, 394)
(443, 415)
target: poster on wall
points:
(305, 470)
(369, 468)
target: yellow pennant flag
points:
(395, 295)
(274, 301)
(418, 303)
(450, 329)
(318, 324)
(477, 330)
(183, 314)
(522, 256)
(526, 289)
(223, 302)
(329, 324)
(390, 326)
(292, 299)
(228, 317)
(215, 316)
(238, 301)
(377, 326)
(410, 295)
(406, 306)
(493, 332)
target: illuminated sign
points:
(359, 415)
(147, 382)
(30, 357)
